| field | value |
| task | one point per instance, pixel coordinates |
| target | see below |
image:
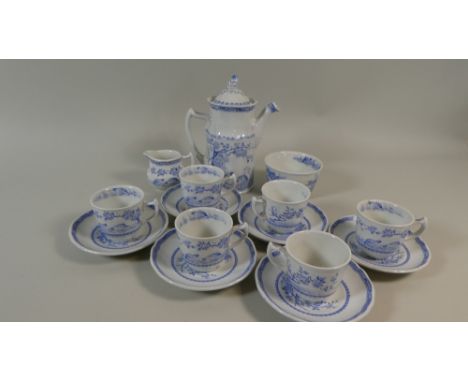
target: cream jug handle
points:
(194, 114)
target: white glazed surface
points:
(119, 209)
(173, 202)
(352, 301)
(204, 235)
(314, 219)
(202, 185)
(395, 129)
(282, 204)
(168, 264)
(314, 261)
(164, 167)
(381, 227)
(82, 233)
(288, 165)
(413, 255)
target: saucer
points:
(173, 201)
(86, 234)
(169, 263)
(314, 219)
(351, 302)
(414, 254)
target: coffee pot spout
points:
(262, 117)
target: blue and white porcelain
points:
(164, 167)
(86, 234)
(120, 209)
(412, 255)
(313, 261)
(174, 203)
(314, 219)
(352, 301)
(202, 185)
(301, 167)
(170, 263)
(282, 205)
(232, 133)
(205, 236)
(382, 227)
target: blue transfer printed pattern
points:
(386, 232)
(264, 263)
(178, 265)
(263, 228)
(377, 206)
(302, 280)
(202, 170)
(273, 175)
(201, 215)
(114, 241)
(233, 155)
(104, 240)
(396, 260)
(117, 191)
(308, 161)
(376, 245)
(185, 267)
(284, 217)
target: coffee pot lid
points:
(232, 98)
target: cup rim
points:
(109, 188)
(410, 214)
(268, 158)
(325, 234)
(211, 209)
(181, 174)
(150, 153)
(299, 184)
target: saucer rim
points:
(266, 238)
(121, 251)
(390, 270)
(205, 287)
(171, 189)
(268, 300)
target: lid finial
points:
(232, 83)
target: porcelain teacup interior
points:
(206, 236)
(202, 185)
(293, 165)
(282, 204)
(120, 209)
(314, 261)
(382, 226)
(164, 167)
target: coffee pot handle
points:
(277, 256)
(188, 130)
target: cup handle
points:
(229, 182)
(277, 255)
(187, 157)
(418, 227)
(244, 231)
(148, 212)
(259, 206)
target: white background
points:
(336, 29)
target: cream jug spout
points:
(260, 120)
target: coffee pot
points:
(232, 132)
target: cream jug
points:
(232, 133)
